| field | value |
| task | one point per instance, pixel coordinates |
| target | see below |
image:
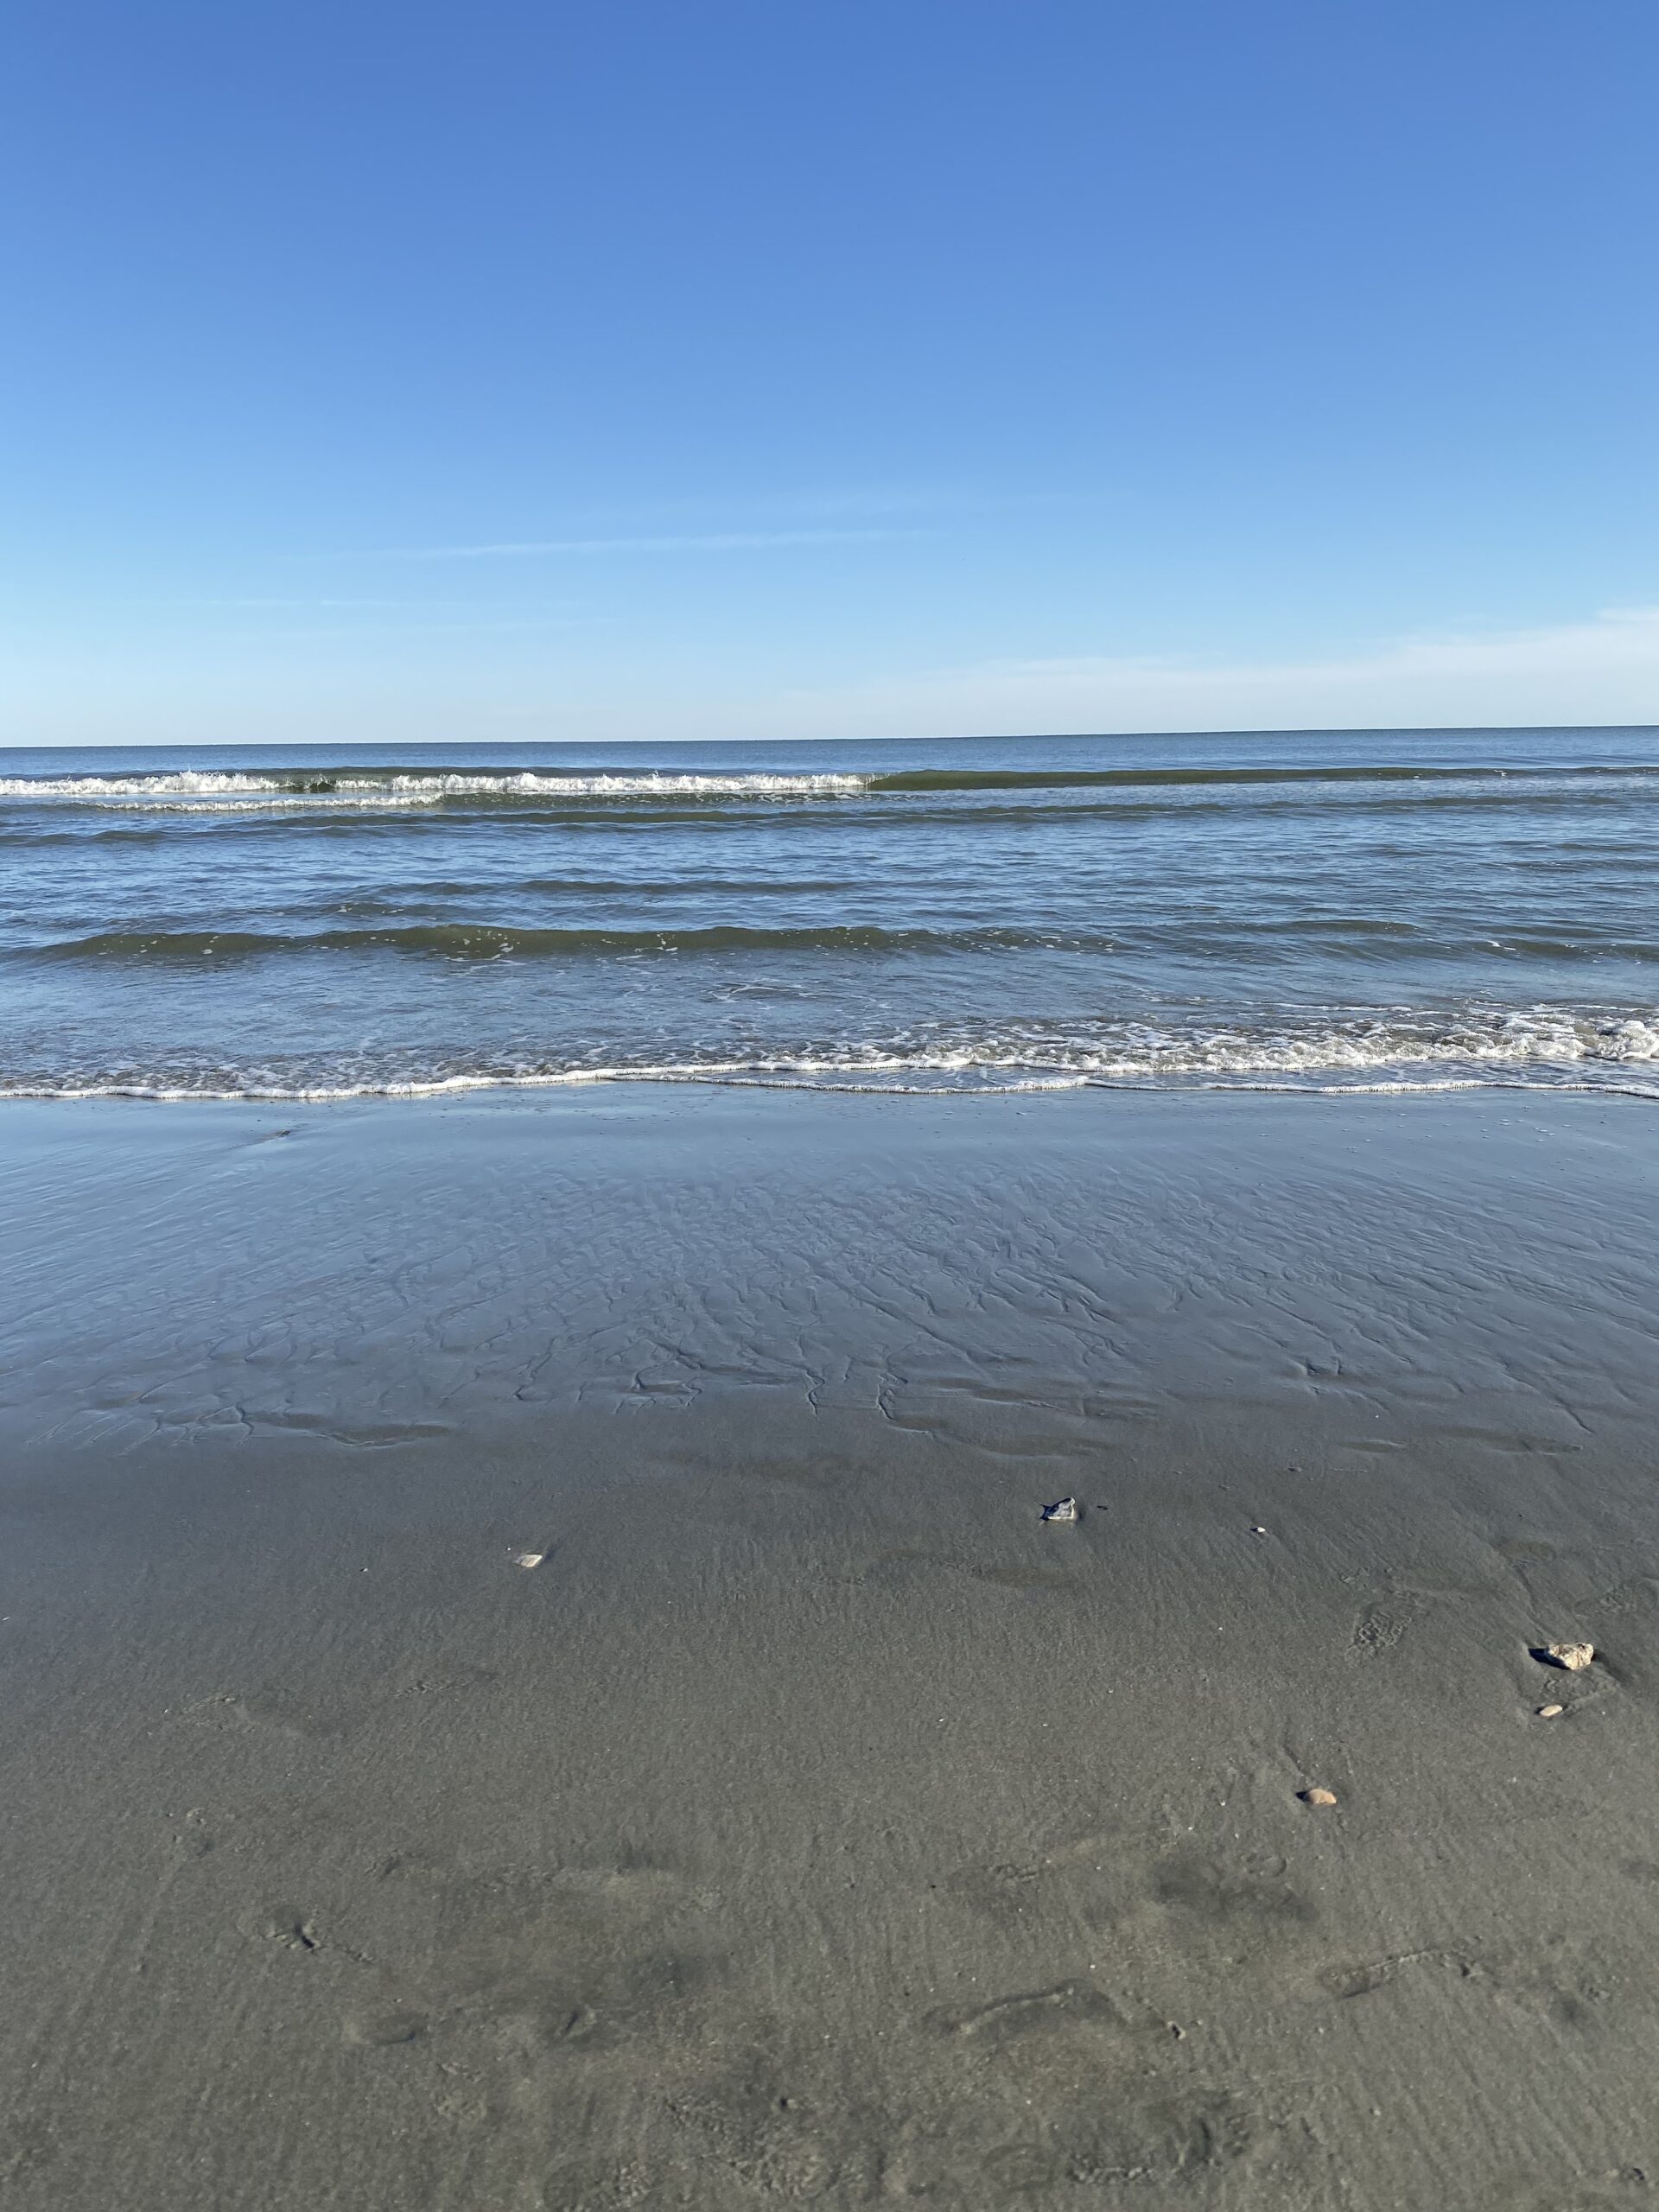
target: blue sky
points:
(771, 368)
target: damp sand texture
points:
(812, 1822)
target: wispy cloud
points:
(413, 633)
(727, 541)
(1603, 669)
(257, 605)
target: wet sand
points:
(814, 1823)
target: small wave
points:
(1365, 938)
(485, 941)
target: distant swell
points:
(996, 780)
(1359, 937)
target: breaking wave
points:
(240, 791)
(1550, 1047)
(228, 792)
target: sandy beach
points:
(814, 1822)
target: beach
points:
(813, 1820)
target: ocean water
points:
(1318, 911)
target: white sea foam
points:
(1541, 1047)
(210, 791)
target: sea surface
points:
(1346, 911)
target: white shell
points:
(528, 1558)
(1066, 1510)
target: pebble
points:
(528, 1558)
(1317, 1797)
(1575, 1657)
(1066, 1510)
(1549, 1712)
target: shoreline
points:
(482, 1088)
(813, 1822)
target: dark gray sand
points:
(814, 1823)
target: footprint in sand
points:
(535, 1964)
(758, 2124)
(1377, 1630)
(1065, 2008)
(1254, 1902)
(1123, 2130)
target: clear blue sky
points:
(667, 368)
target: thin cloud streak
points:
(259, 605)
(733, 541)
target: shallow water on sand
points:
(1320, 909)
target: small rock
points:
(1549, 1712)
(528, 1558)
(1066, 1510)
(1575, 1657)
(1317, 1796)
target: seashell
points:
(1549, 1712)
(1575, 1657)
(528, 1558)
(1066, 1509)
(1318, 1796)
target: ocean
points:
(1342, 912)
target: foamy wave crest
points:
(226, 793)
(1541, 1047)
(1537, 1038)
